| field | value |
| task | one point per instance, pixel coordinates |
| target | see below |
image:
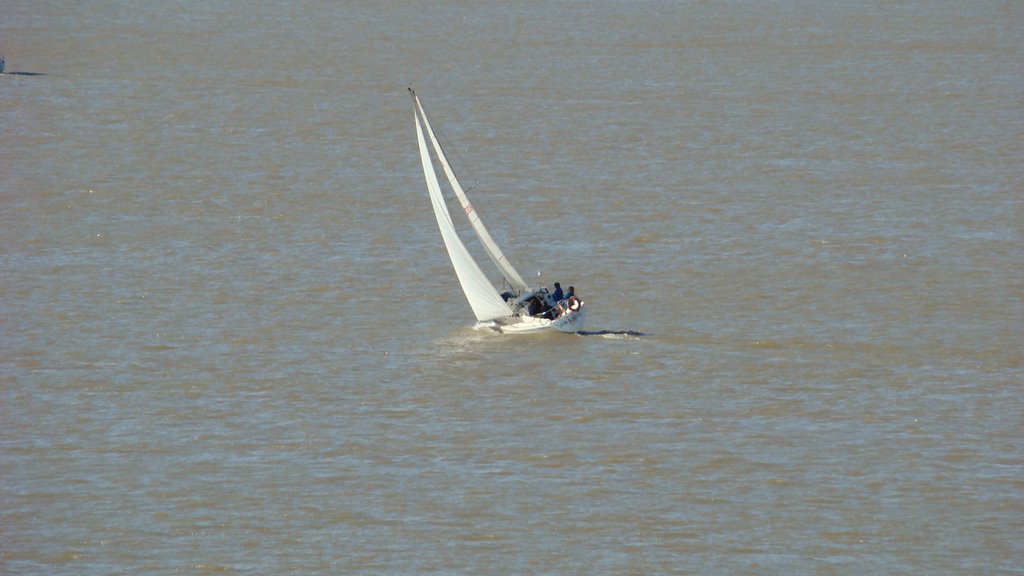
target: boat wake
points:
(612, 333)
(13, 73)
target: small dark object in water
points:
(611, 333)
(3, 62)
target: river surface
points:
(231, 340)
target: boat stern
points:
(571, 321)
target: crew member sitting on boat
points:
(557, 296)
(561, 303)
(570, 304)
(535, 306)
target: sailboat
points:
(518, 309)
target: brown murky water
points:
(231, 341)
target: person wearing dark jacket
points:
(557, 294)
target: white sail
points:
(487, 304)
(499, 259)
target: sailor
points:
(570, 293)
(556, 296)
(535, 306)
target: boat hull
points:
(570, 322)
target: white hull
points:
(570, 322)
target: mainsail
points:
(487, 304)
(504, 266)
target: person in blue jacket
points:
(557, 294)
